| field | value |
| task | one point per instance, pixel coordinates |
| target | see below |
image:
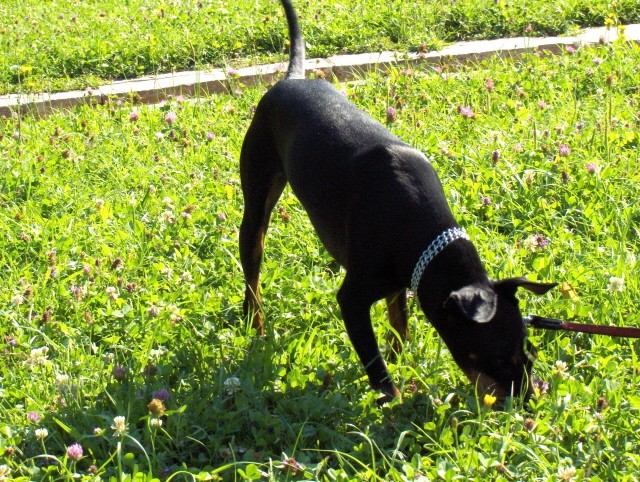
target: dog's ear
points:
(511, 285)
(476, 303)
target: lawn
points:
(124, 351)
(65, 44)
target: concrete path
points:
(156, 88)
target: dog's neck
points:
(458, 265)
(436, 247)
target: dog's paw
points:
(388, 394)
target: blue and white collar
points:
(436, 247)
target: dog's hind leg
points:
(262, 184)
(398, 317)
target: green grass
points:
(65, 44)
(121, 278)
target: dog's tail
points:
(296, 47)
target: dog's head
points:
(487, 336)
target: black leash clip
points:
(536, 321)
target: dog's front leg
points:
(355, 305)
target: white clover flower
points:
(5, 471)
(167, 217)
(566, 473)
(157, 353)
(112, 292)
(99, 203)
(232, 385)
(530, 243)
(561, 368)
(174, 313)
(62, 381)
(17, 299)
(119, 426)
(41, 433)
(616, 284)
(535, 242)
(528, 176)
(186, 277)
(155, 423)
(153, 311)
(38, 356)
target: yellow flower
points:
(156, 408)
(489, 400)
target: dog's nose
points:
(485, 384)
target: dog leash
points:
(536, 321)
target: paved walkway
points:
(155, 88)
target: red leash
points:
(554, 324)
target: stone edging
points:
(156, 88)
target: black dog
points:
(380, 210)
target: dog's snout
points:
(487, 385)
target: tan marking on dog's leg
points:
(398, 317)
(259, 202)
